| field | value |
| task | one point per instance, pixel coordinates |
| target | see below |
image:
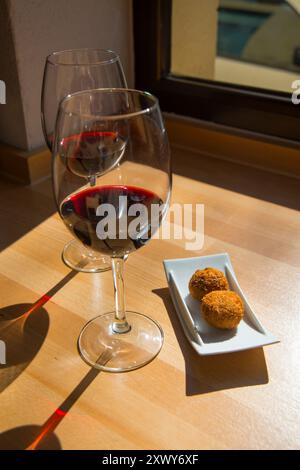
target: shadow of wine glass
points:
(45, 431)
(21, 437)
(205, 374)
(23, 329)
(23, 332)
(34, 437)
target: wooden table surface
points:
(51, 399)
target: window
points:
(229, 62)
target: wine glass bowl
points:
(67, 72)
(74, 70)
(115, 210)
(94, 153)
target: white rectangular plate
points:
(205, 339)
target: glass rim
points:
(114, 57)
(109, 117)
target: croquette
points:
(207, 280)
(222, 309)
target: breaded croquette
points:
(207, 280)
(222, 309)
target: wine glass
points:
(121, 131)
(67, 72)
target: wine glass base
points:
(79, 258)
(106, 350)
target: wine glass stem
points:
(92, 180)
(120, 325)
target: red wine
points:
(92, 153)
(114, 232)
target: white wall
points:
(38, 27)
(12, 124)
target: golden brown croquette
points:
(222, 309)
(207, 280)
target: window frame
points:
(245, 108)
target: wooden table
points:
(51, 399)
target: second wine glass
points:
(67, 72)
